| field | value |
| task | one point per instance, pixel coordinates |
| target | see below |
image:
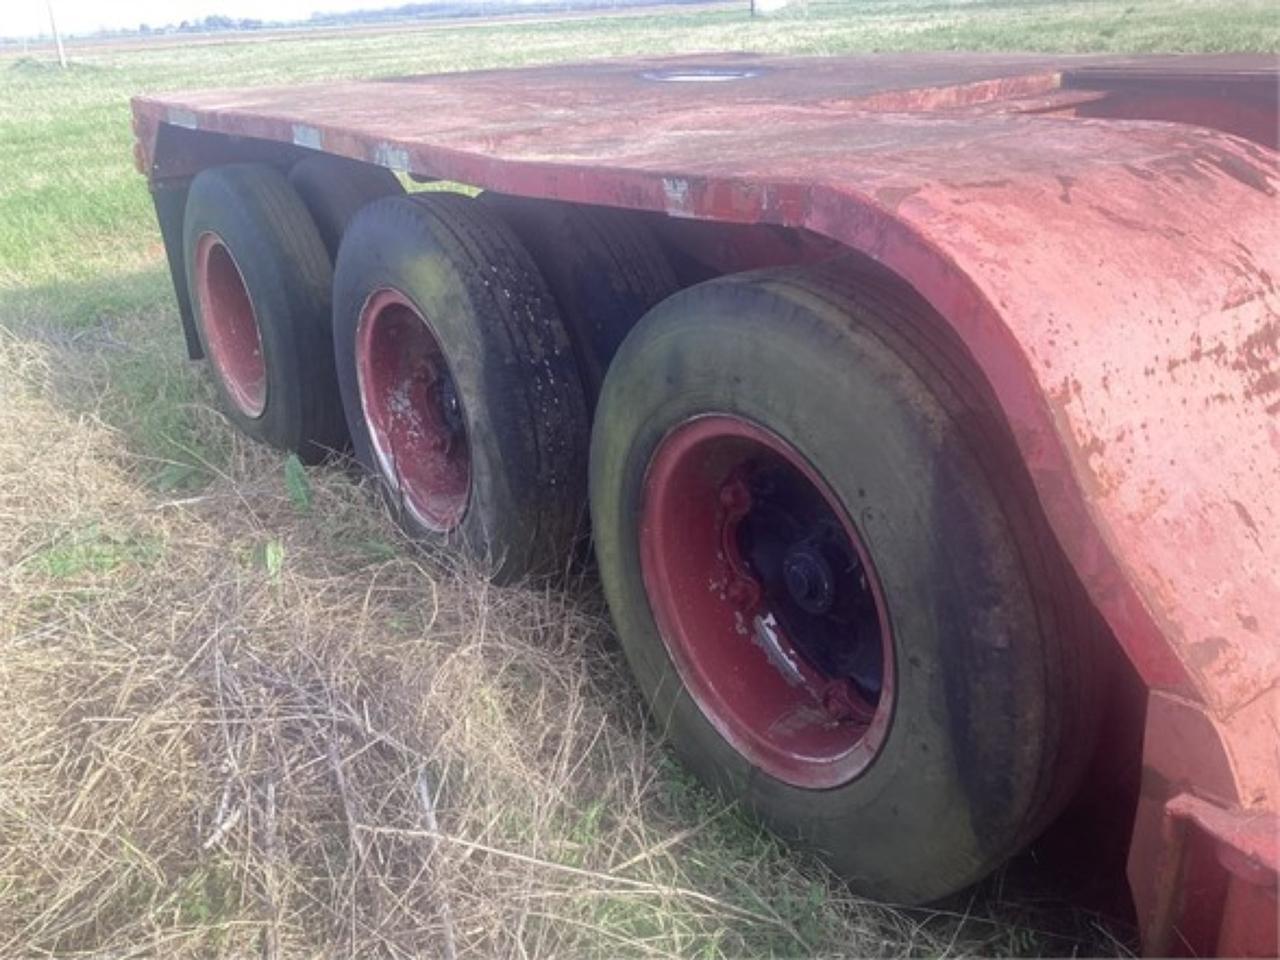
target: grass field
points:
(238, 715)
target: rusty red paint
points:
(1216, 882)
(1111, 274)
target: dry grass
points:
(229, 720)
(249, 720)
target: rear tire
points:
(966, 705)
(604, 267)
(260, 282)
(459, 383)
(335, 188)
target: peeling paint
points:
(676, 190)
(392, 157)
(309, 137)
(180, 117)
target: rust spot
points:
(1265, 340)
(1066, 183)
(1178, 165)
(1243, 171)
(1205, 652)
(1198, 353)
(1141, 226)
(1244, 516)
(979, 184)
(1096, 446)
(1238, 298)
(1061, 394)
(1267, 383)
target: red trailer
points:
(918, 400)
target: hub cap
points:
(230, 326)
(767, 601)
(412, 407)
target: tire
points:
(946, 717)
(260, 282)
(458, 379)
(335, 188)
(604, 267)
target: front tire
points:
(816, 548)
(260, 281)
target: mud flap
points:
(170, 199)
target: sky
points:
(20, 18)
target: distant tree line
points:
(210, 24)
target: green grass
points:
(82, 274)
(94, 551)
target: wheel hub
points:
(230, 325)
(808, 578)
(416, 422)
(788, 654)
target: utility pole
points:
(57, 37)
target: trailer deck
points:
(1099, 232)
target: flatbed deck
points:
(715, 115)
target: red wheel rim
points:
(767, 601)
(413, 411)
(230, 325)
